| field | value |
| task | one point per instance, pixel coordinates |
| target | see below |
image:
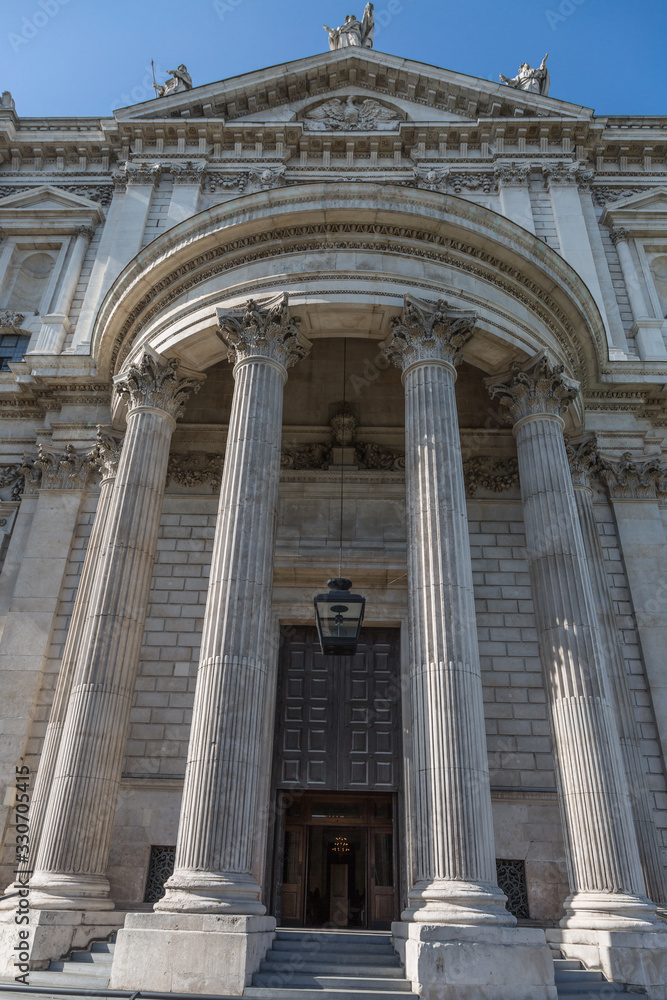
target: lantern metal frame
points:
(338, 617)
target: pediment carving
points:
(353, 114)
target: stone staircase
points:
(578, 983)
(83, 969)
(330, 965)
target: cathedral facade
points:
(348, 316)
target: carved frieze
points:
(376, 456)
(512, 174)
(484, 182)
(221, 182)
(307, 456)
(604, 194)
(431, 178)
(494, 474)
(266, 178)
(356, 114)
(195, 469)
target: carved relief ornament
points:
(151, 382)
(427, 332)
(263, 330)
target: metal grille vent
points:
(512, 880)
(160, 867)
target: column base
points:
(611, 911)
(190, 952)
(631, 958)
(56, 891)
(476, 963)
(450, 901)
(211, 892)
(49, 935)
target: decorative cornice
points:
(427, 331)
(534, 389)
(264, 330)
(151, 382)
(494, 474)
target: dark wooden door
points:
(338, 718)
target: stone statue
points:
(353, 32)
(535, 81)
(180, 80)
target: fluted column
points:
(455, 858)
(72, 856)
(105, 455)
(583, 462)
(217, 864)
(603, 858)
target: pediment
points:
(47, 207)
(639, 214)
(423, 93)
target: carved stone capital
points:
(263, 330)
(187, 173)
(560, 173)
(629, 479)
(427, 332)
(618, 235)
(536, 388)
(511, 174)
(86, 231)
(66, 470)
(106, 453)
(584, 461)
(11, 320)
(119, 178)
(142, 173)
(150, 382)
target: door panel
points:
(293, 873)
(382, 879)
(338, 718)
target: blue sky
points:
(85, 57)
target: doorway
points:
(338, 862)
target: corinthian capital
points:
(106, 453)
(263, 330)
(584, 461)
(427, 333)
(152, 382)
(536, 388)
(66, 470)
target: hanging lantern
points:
(338, 616)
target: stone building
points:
(354, 303)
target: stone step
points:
(89, 958)
(578, 975)
(78, 968)
(269, 993)
(567, 963)
(341, 968)
(103, 946)
(592, 989)
(346, 983)
(48, 978)
(311, 946)
(340, 937)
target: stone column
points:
(72, 857)
(455, 886)
(56, 325)
(512, 180)
(212, 907)
(646, 329)
(603, 857)
(55, 483)
(106, 455)
(584, 462)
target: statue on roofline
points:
(354, 32)
(180, 80)
(533, 81)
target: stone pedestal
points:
(190, 952)
(476, 963)
(49, 934)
